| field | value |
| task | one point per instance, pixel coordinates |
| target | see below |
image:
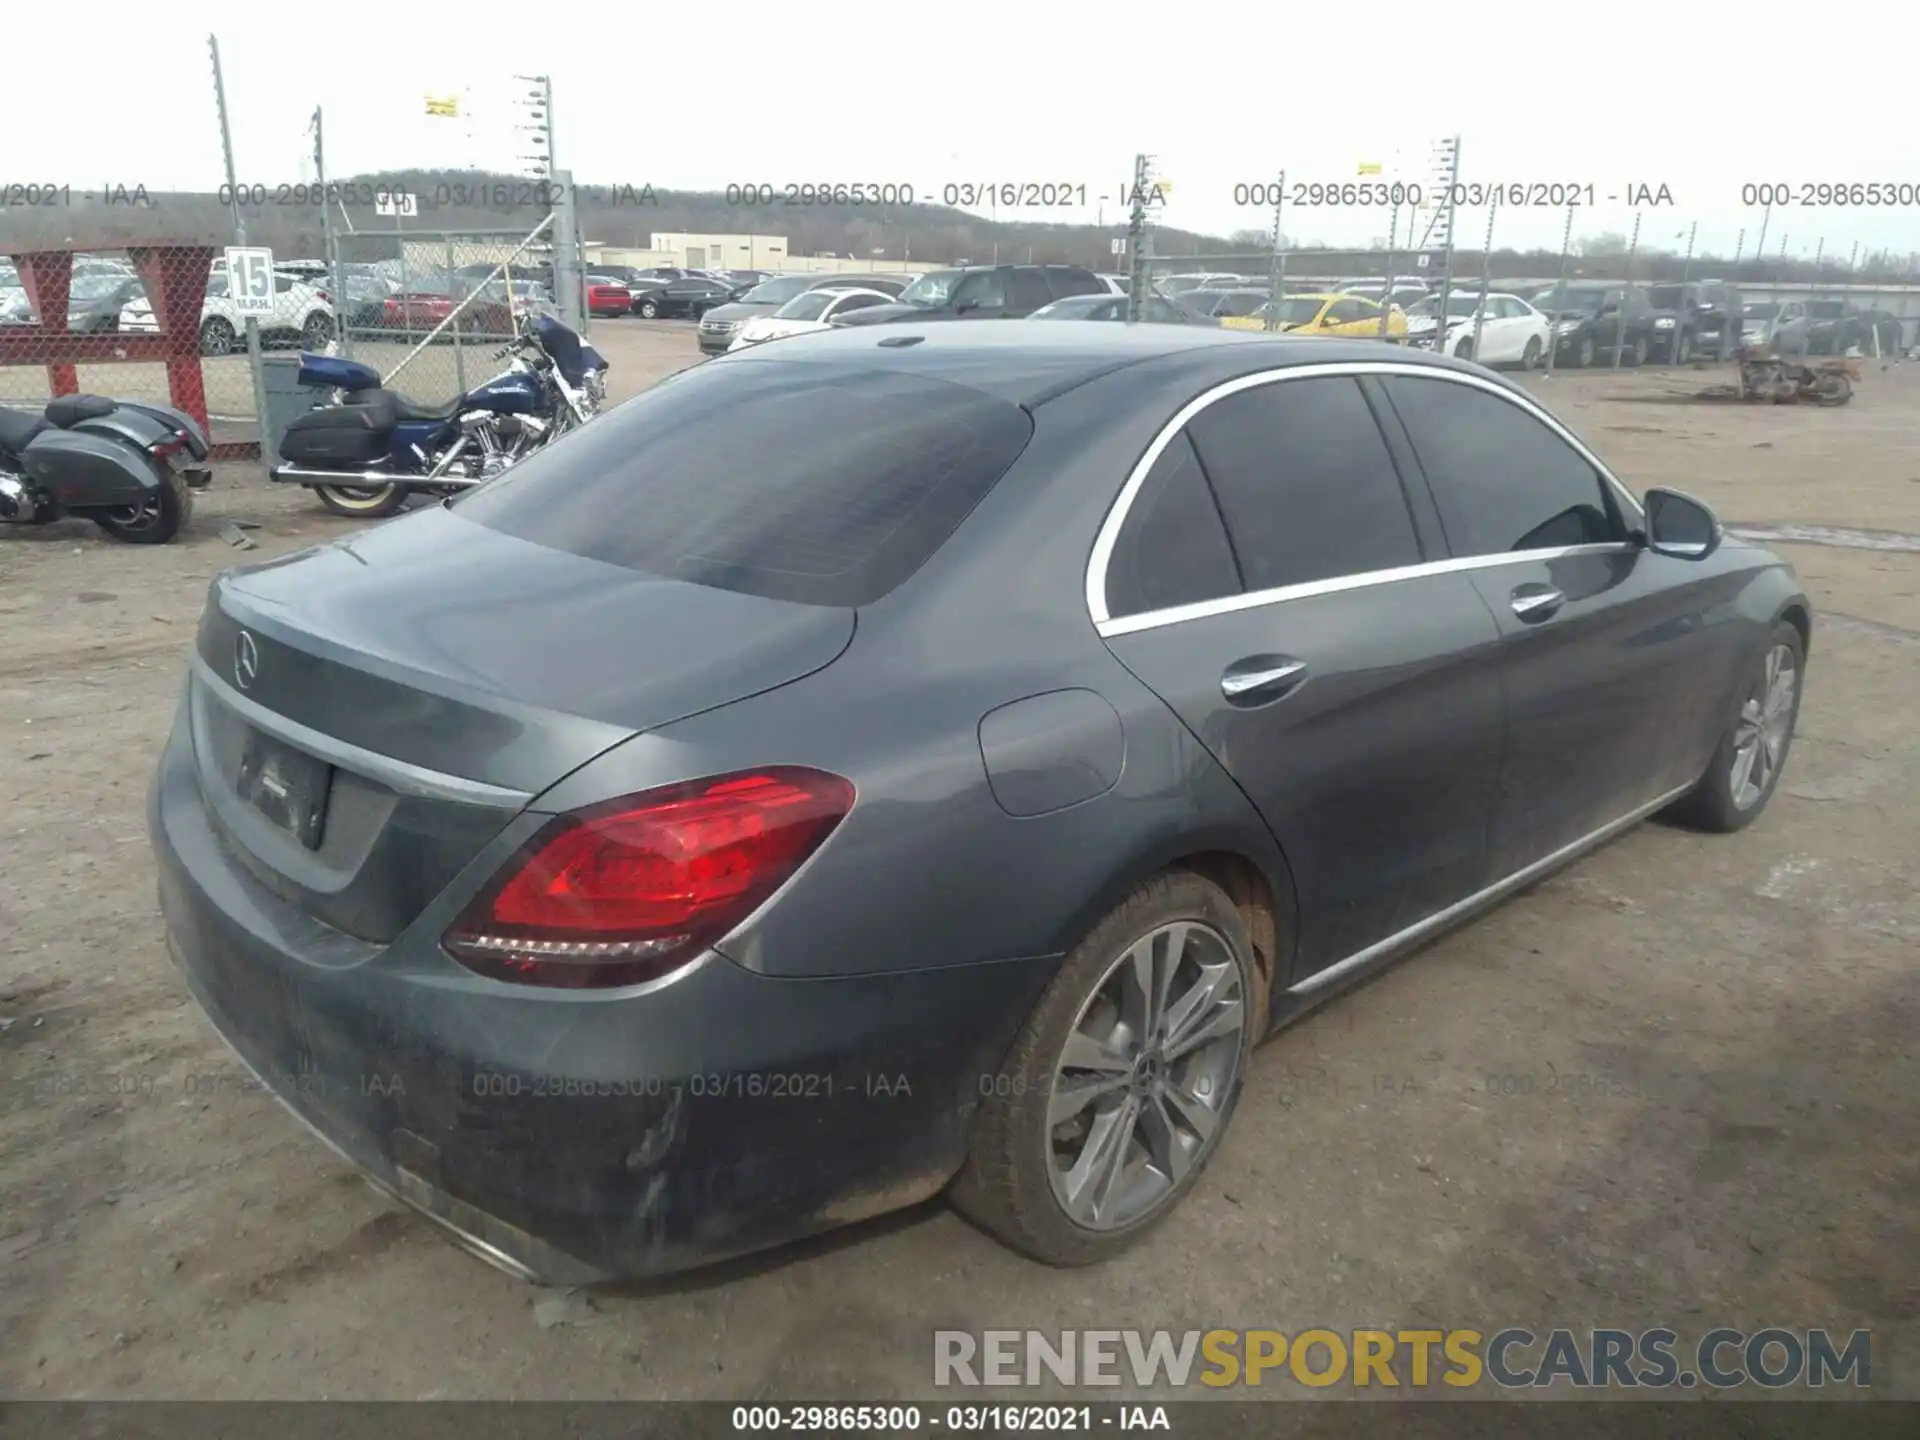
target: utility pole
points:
(267, 455)
(1277, 274)
(330, 240)
(1760, 245)
(1739, 249)
(1686, 266)
(1139, 235)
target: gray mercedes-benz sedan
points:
(913, 760)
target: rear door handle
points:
(1536, 602)
(1260, 678)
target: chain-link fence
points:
(146, 321)
(430, 309)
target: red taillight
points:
(164, 448)
(630, 890)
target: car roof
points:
(1029, 364)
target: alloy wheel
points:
(1761, 733)
(1149, 1067)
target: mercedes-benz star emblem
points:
(246, 660)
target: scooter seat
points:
(17, 428)
(70, 410)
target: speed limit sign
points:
(250, 279)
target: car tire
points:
(155, 521)
(1530, 357)
(362, 502)
(1464, 350)
(1583, 354)
(1014, 1184)
(216, 336)
(1727, 798)
(318, 330)
(1639, 352)
(648, 309)
(1682, 348)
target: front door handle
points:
(1536, 602)
(1260, 678)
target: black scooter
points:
(129, 466)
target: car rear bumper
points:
(573, 1137)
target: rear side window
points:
(1304, 482)
(1502, 480)
(1172, 550)
(793, 482)
(1027, 290)
(1066, 281)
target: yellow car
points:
(1325, 315)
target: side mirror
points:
(1681, 526)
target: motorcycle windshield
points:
(563, 347)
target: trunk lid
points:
(419, 682)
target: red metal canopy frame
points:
(175, 277)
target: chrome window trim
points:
(1109, 534)
(1227, 604)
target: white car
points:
(1176, 285)
(807, 311)
(1512, 332)
(302, 313)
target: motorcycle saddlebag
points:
(79, 469)
(336, 436)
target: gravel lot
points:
(1747, 1154)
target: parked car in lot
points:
(1348, 315)
(1225, 304)
(1701, 317)
(95, 301)
(1594, 317)
(1154, 310)
(1404, 293)
(1512, 332)
(1037, 714)
(607, 296)
(303, 315)
(719, 325)
(1176, 285)
(1118, 284)
(1889, 329)
(982, 292)
(1780, 325)
(1833, 327)
(692, 295)
(810, 310)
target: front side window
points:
(1305, 483)
(1027, 290)
(985, 289)
(1503, 481)
(1172, 549)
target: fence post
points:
(1620, 324)
(1277, 263)
(1559, 292)
(1486, 281)
(459, 356)
(568, 278)
(254, 363)
(1138, 247)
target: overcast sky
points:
(991, 92)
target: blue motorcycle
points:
(369, 448)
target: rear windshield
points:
(788, 481)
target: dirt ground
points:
(1749, 1155)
